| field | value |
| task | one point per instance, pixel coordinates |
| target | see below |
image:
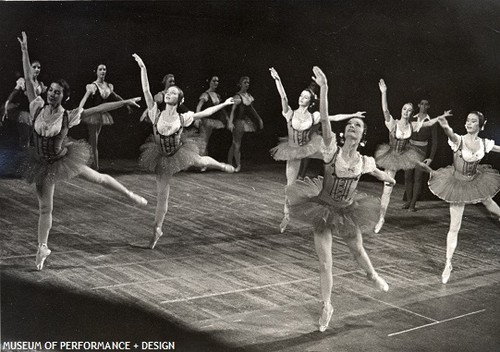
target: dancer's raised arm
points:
(385, 107)
(281, 90)
(145, 82)
(342, 117)
(28, 76)
(320, 79)
(448, 131)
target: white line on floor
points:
(436, 322)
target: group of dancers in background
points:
(329, 203)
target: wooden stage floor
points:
(223, 277)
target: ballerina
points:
(166, 153)
(332, 205)
(465, 182)
(55, 157)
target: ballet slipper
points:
(137, 199)
(284, 223)
(380, 283)
(446, 272)
(379, 225)
(237, 168)
(156, 236)
(42, 254)
(229, 168)
(326, 316)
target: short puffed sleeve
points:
(74, 117)
(153, 113)
(316, 117)
(188, 118)
(391, 124)
(368, 164)
(454, 146)
(35, 105)
(488, 145)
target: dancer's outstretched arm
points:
(320, 79)
(28, 76)
(435, 120)
(213, 109)
(145, 82)
(342, 117)
(281, 90)
(110, 106)
(448, 131)
(383, 176)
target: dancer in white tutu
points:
(242, 119)
(302, 141)
(332, 205)
(55, 157)
(99, 92)
(166, 153)
(216, 121)
(397, 155)
(465, 182)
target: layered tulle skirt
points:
(103, 118)
(35, 169)
(322, 212)
(285, 151)
(454, 187)
(246, 125)
(152, 159)
(389, 159)
(212, 123)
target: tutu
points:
(389, 159)
(245, 124)
(285, 151)
(35, 169)
(153, 160)
(104, 118)
(213, 123)
(341, 217)
(454, 187)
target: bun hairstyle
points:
(482, 119)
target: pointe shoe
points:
(326, 316)
(379, 225)
(137, 199)
(156, 236)
(237, 168)
(284, 223)
(405, 205)
(412, 209)
(229, 168)
(446, 272)
(42, 254)
(380, 283)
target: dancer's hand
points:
(23, 41)
(360, 114)
(319, 77)
(443, 121)
(229, 101)
(382, 86)
(447, 113)
(274, 74)
(139, 60)
(132, 101)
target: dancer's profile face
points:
(35, 68)
(472, 124)
(305, 98)
(355, 128)
(172, 96)
(55, 94)
(101, 71)
(245, 84)
(406, 111)
(170, 81)
(214, 82)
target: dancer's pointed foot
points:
(379, 225)
(137, 199)
(446, 272)
(284, 222)
(326, 316)
(380, 283)
(237, 168)
(405, 205)
(42, 254)
(228, 168)
(156, 236)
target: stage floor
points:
(223, 278)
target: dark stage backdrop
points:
(448, 51)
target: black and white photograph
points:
(258, 176)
